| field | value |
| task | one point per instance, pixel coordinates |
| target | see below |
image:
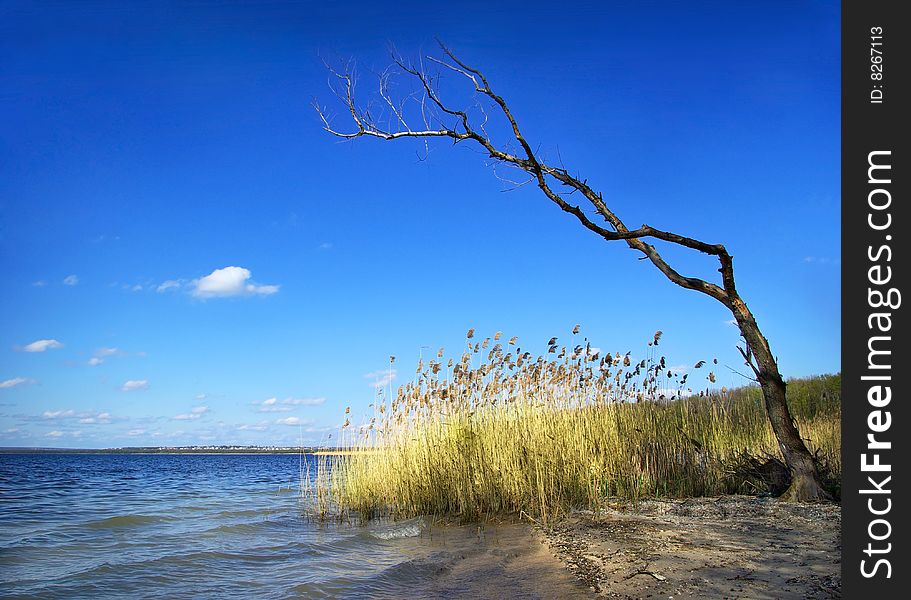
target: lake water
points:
(234, 526)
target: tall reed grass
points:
(517, 434)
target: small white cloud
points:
(70, 280)
(41, 346)
(135, 384)
(136, 288)
(326, 246)
(54, 434)
(100, 418)
(135, 432)
(39, 283)
(103, 353)
(303, 401)
(170, 284)
(271, 405)
(58, 414)
(195, 413)
(261, 426)
(274, 405)
(15, 381)
(261, 290)
(381, 378)
(11, 430)
(292, 421)
(230, 281)
(821, 260)
(84, 417)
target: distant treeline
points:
(167, 450)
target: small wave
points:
(405, 529)
(235, 528)
(250, 512)
(410, 578)
(121, 521)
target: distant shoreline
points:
(180, 450)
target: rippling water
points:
(232, 526)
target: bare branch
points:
(613, 230)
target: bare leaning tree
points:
(387, 117)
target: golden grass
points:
(514, 434)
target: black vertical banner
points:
(875, 226)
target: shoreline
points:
(171, 451)
(723, 547)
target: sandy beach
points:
(726, 547)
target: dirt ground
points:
(727, 547)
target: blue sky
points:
(187, 257)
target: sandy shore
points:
(728, 547)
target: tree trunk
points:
(805, 485)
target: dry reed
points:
(500, 431)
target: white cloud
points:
(135, 384)
(103, 353)
(135, 432)
(261, 426)
(41, 346)
(821, 260)
(275, 405)
(304, 401)
(84, 417)
(39, 283)
(271, 405)
(293, 421)
(54, 434)
(57, 414)
(11, 430)
(100, 418)
(195, 413)
(70, 280)
(326, 246)
(170, 284)
(11, 383)
(229, 281)
(381, 378)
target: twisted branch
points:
(544, 175)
